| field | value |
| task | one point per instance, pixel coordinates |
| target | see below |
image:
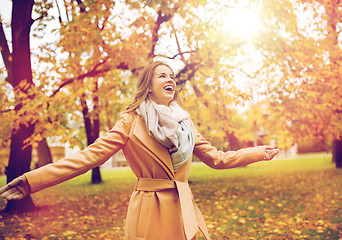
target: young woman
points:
(158, 140)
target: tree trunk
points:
(19, 163)
(20, 155)
(96, 176)
(337, 153)
(92, 128)
(234, 143)
(44, 154)
(94, 134)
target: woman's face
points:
(163, 85)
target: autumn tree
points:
(20, 78)
(331, 98)
(21, 109)
(89, 40)
(304, 81)
(84, 28)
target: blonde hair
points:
(145, 83)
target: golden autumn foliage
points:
(292, 60)
(304, 88)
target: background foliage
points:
(291, 63)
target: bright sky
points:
(6, 12)
(242, 22)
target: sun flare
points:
(241, 22)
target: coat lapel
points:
(160, 153)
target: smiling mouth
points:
(169, 88)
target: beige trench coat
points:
(161, 206)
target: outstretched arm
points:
(76, 164)
(230, 159)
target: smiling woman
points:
(158, 139)
(163, 86)
(241, 22)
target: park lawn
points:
(299, 198)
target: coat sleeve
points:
(222, 160)
(82, 161)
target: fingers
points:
(4, 189)
(17, 195)
(7, 189)
(11, 193)
(273, 153)
(16, 189)
(9, 185)
(270, 148)
(270, 152)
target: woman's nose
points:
(171, 80)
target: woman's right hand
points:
(16, 189)
(270, 152)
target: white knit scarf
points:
(169, 125)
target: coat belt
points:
(192, 217)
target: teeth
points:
(168, 88)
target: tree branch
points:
(66, 12)
(190, 69)
(92, 73)
(254, 74)
(178, 54)
(7, 110)
(81, 6)
(178, 45)
(37, 19)
(59, 12)
(161, 19)
(6, 54)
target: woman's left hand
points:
(15, 190)
(270, 152)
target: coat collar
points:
(157, 151)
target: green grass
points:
(303, 162)
(297, 198)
